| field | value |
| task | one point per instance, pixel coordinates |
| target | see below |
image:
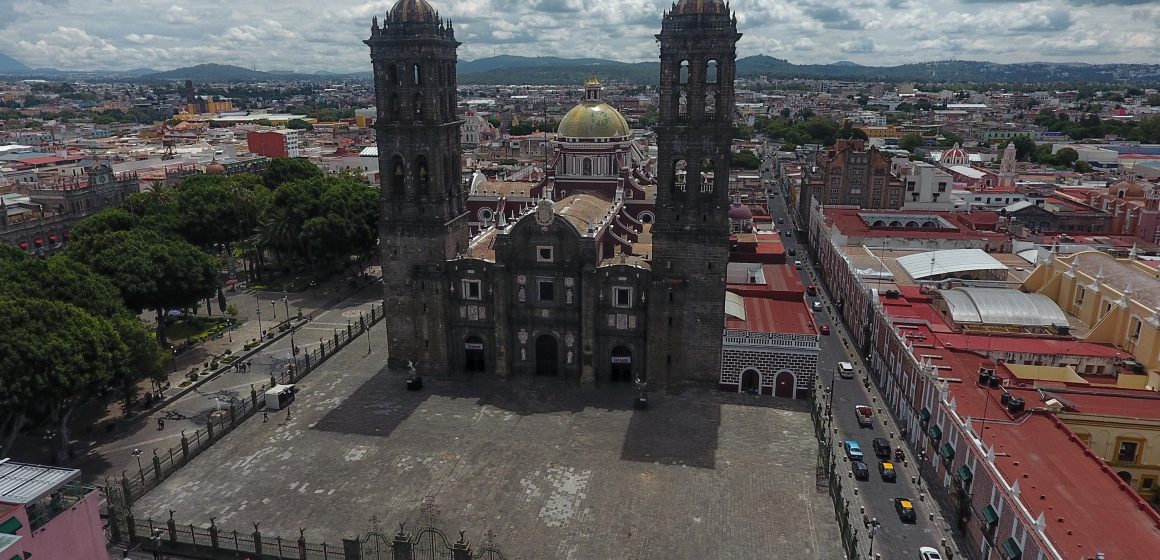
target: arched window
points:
(392, 75)
(422, 177)
(393, 107)
(398, 175)
(684, 75)
(418, 105)
(587, 167)
(707, 175)
(679, 175)
(711, 72)
(418, 75)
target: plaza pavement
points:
(554, 471)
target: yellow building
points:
(1125, 433)
(1117, 300)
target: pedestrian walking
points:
(160, 424)
(265, 417)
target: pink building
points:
(47, 514)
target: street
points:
(894, 539)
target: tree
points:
(787, 147)
(1154, 100)
(746, 159)
(1024, 147)
(910, 141)
(51, 355)
(207, 213)
(1066, 156)
(284, 170)
(849, 132)
(1083, 166)
(299, 124)
(950, 139)
(151, 270)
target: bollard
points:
(921, 496)
(855, 490)
(930, 516)
(862, 509)
(913, 479)
(943, 542)
(891, 433)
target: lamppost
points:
(286, 302)
(872, 532)
(137, 453)
(173, 357)
(274, 308)
(261, 332)
(368, 329)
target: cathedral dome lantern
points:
(593, 119)
(692, 7)
(412, 11)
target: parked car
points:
(905, 509)
(865, 415)
(788, 233)
(886, 470)
(812, 290)
(781, 220)
(825, 329)
(797, 265)
(853, 450)
(860, 470)
(928, 553)
(817, 306)
(792, 252)
(881, 447)
(846, 370)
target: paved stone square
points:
(554, 471)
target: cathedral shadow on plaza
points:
(680, 429)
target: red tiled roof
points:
(1123, 403)
(849, 222)
(1011, 343)
(773, 316)
(42, 160)
(1087, 508)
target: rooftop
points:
(768, 315)
(22, 483)
(1002, 306)
(950, 261)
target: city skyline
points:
(290, 35)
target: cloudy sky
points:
(311, 35)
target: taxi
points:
(905, 509)
(886, 469)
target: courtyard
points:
(553, 471)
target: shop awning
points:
(935, 433)
(924, 414)
(24, 245)
(990, 515)
(10, 526)
(947, 451)
(965, 474)
(39, 241)
(1012, 549)
(52, 237)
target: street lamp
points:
(872, 532)
(261, 332)
(368, 329)
(137, 453)
(274, 308)
(173, 357)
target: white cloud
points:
(308, 35)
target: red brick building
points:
(850, 174)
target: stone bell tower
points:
(698, 41)
(424, 217)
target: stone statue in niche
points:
(568, 296)
(523, 354)
(683, 105)
(569, 357)
(523, 295)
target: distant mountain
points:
(553, 70)
(9, 65)
(212, 73)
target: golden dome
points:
(215, 168)
(700, 7)
(413, 11)
(591, 120)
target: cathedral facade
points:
(601, 272)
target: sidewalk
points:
(102, 420)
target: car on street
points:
(865, 416)
(881, 447)
(905, 509)
(825, 329)
(928, 553)
(797, 265)
(853, 450)
(792, 252)
(817, 306)
(781, 220)
(812, 289)
(846, 370)
(886, 470)
(860, 470)
(788, 233)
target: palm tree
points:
(278, 232)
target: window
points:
(1127, 451)
(942, 187)
(622, 297)
(547, 290)
(471, 289)
(1148, 482)
(544, 253)
(1079, 298)
(1136, 329)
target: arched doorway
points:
(783, 385)
(474, 359)
(547, 355)
(621, 371)
(1125, 476)
(750, 381)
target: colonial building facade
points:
(604, 273)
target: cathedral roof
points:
(414, 11)
(1128, 188)
(593, 120)
(583, 210)
(700, 7)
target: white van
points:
(797, 265)
(846, 370)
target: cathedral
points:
(602, 272)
